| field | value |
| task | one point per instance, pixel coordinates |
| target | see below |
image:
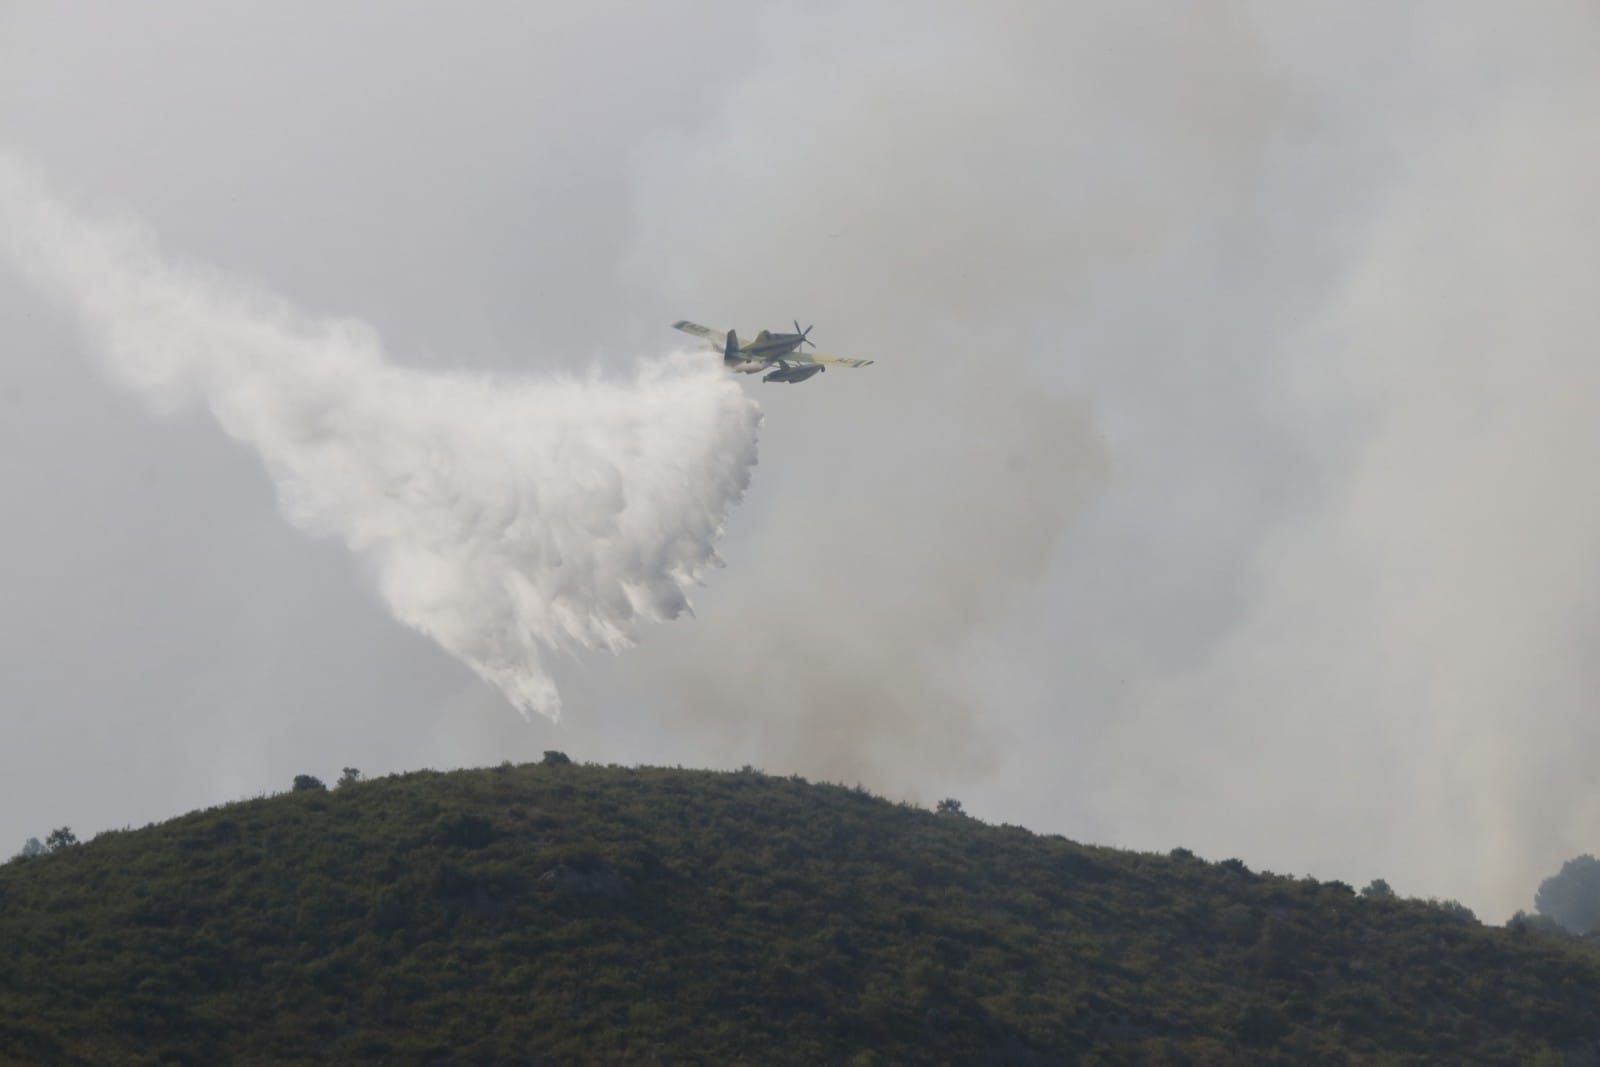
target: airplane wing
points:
(837, 361)
(715, 338)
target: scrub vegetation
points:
(561, 913)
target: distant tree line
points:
(58, 839)
(1570, 898)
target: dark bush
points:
(463, 830)
(1455, 909)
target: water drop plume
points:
(504, 518)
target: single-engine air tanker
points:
(779, 354)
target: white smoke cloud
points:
(1410, 690)
(504, 519)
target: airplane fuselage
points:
(768, 347)
(764, 353)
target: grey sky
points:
(1222, 481)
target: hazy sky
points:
(1224, 478)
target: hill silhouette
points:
(581, 914)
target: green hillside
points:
(571, 914)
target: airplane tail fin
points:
(730, 354)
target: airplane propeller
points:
(803, 333)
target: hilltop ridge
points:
(565, 914)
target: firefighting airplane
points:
(778, 354)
